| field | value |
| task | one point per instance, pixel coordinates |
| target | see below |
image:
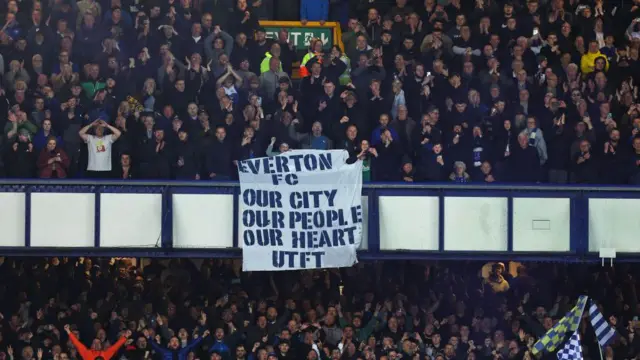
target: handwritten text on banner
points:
(300, 210)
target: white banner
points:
(300, 210)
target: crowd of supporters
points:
(86, 309)
(420, 90)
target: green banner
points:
(300, 36)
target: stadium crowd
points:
(420, 90)
(81, 308)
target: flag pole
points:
(600, 348)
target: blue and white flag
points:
(604, 332)
(572, 349)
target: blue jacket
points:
(220, 347)
(168, 354)
(375, 137)
(314, 10)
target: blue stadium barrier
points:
(403, 221)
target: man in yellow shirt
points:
(588, 61)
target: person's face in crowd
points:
(121, 122)
(176, 124)
(393, 323)
(215, 356)
(218, 43)
(552, 81)
(364, 145)
(112, 63)
(63, 57)
(46, 125)
(174, 343)
(159, 135)
(524, 96)
(507, 10)
(207, 21)
(39, 104)
(96, 345)
(523, 141)
(636, 145)
(196, 30)
(408, 43)
(511, 24)
(329, 88)
(116, 15)
(402, 112)
(274, 64)
(284, 347)
(167, 111)
(453, 341)
(593, 46)
(609, 41)
(517, 65)
(361, 42)
(614, 136)
(111, 83)
(465, 32)
(261, 37)
(372, 15)
(219, 334)
(99, 131)
(384, 121)
(316, 128)
(352, 132)
(27, 353)
(521, 76)
(94, 71)
(549, 101)
(292, 326)
(226, 102)
(167, 30)
(180, 86)
(494, 92)
(272, 313)
(51, 145)
(579, 44)
(221, 134)
(240, 352)
(262, 354)
(262, 320)
(477, 132)
(399, 61)
(487, 51)
(363, 61)
(62, 26)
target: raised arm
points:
(113, 349)
(83, 132)
(116, 132)
(228, 42)
(82, 350)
